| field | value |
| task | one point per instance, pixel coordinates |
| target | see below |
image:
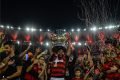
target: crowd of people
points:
(60, 63)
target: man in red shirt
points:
(58, 62)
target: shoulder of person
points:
(2, 55)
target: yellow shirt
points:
(1, 49)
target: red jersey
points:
(59, 70)
(113, 75)
(33, 74)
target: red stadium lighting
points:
(14, 36)
(76, 38)
(89, 39)
(27, 38)
(41, 38)
(101, 36)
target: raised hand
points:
(35, 61)
(114, 68)
(11, 62)
(28, 47)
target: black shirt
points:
(13, 67)
(26, 64)
(2, 56)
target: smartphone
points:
(26, 57)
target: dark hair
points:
(111, 41)
(57, 48)
(108, 41)
(2, 30)
(77, 69)
(9, 43)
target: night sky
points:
(45, 13)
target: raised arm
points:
(4, 64)
(89, 54)
(31, 66)
(24, 52)
(16, 74)
(50, 49)
(86, 75)
(41, 54)
(90, 58)
(43, 72)
(112, 69)
(69, 49)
